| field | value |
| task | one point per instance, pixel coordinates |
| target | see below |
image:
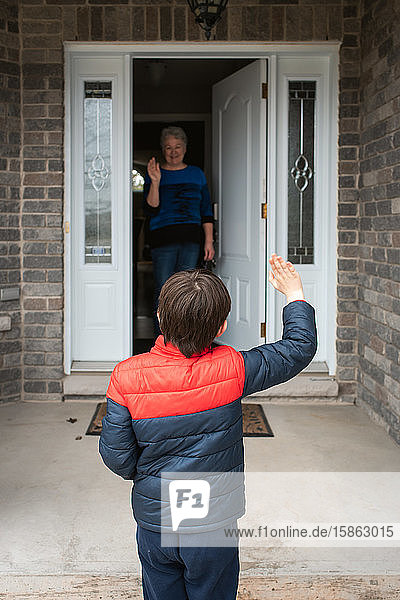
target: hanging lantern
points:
(207, 13)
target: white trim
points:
(263, 158)
(117, 70)
(67, 215)
(202, 49)
(127, 258)
(333, 187)
(271, 189)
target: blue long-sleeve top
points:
(184, 206)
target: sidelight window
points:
(301, 173)
(97, 117)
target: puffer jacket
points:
(169, 413)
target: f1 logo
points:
(188, 502)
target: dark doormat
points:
(255, 423)
(95, 425)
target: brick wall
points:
(42, 146)
(379, 262)
(44, 27)
(10, 181)
(349, 139)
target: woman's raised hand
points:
(153, 169)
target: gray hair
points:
(176, 132)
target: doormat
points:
(255, 423)
(95, 425)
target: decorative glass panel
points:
(301, 172)
(97, 156)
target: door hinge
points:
(264, 91)
(66, 226)
(263, 330)
(215, 211)
(264, 210)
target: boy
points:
(177, 408)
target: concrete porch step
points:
(306, 387)
(86, 386)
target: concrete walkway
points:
(67, 529)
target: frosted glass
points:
(97, 186)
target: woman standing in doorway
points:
(178, 203)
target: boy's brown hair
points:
(192, 307)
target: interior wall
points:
(179, 85)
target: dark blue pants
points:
(182, 573)
(168, 260)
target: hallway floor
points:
(66, 520)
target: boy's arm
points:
(117, 445)
(270, 364)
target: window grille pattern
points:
(301, 173)
(97, 125)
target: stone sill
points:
(304, 387)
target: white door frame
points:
(197, 50)
(124, 190)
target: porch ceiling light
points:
(207, 13)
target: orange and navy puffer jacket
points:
(168, 413)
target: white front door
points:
(239, 166)
(100, 209)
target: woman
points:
(178, 203)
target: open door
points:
(239, 175)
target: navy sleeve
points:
(270, 364)
(117, 445)
(149, 211)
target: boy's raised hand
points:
(285, 278)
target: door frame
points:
(198, 50)
(125, 94)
